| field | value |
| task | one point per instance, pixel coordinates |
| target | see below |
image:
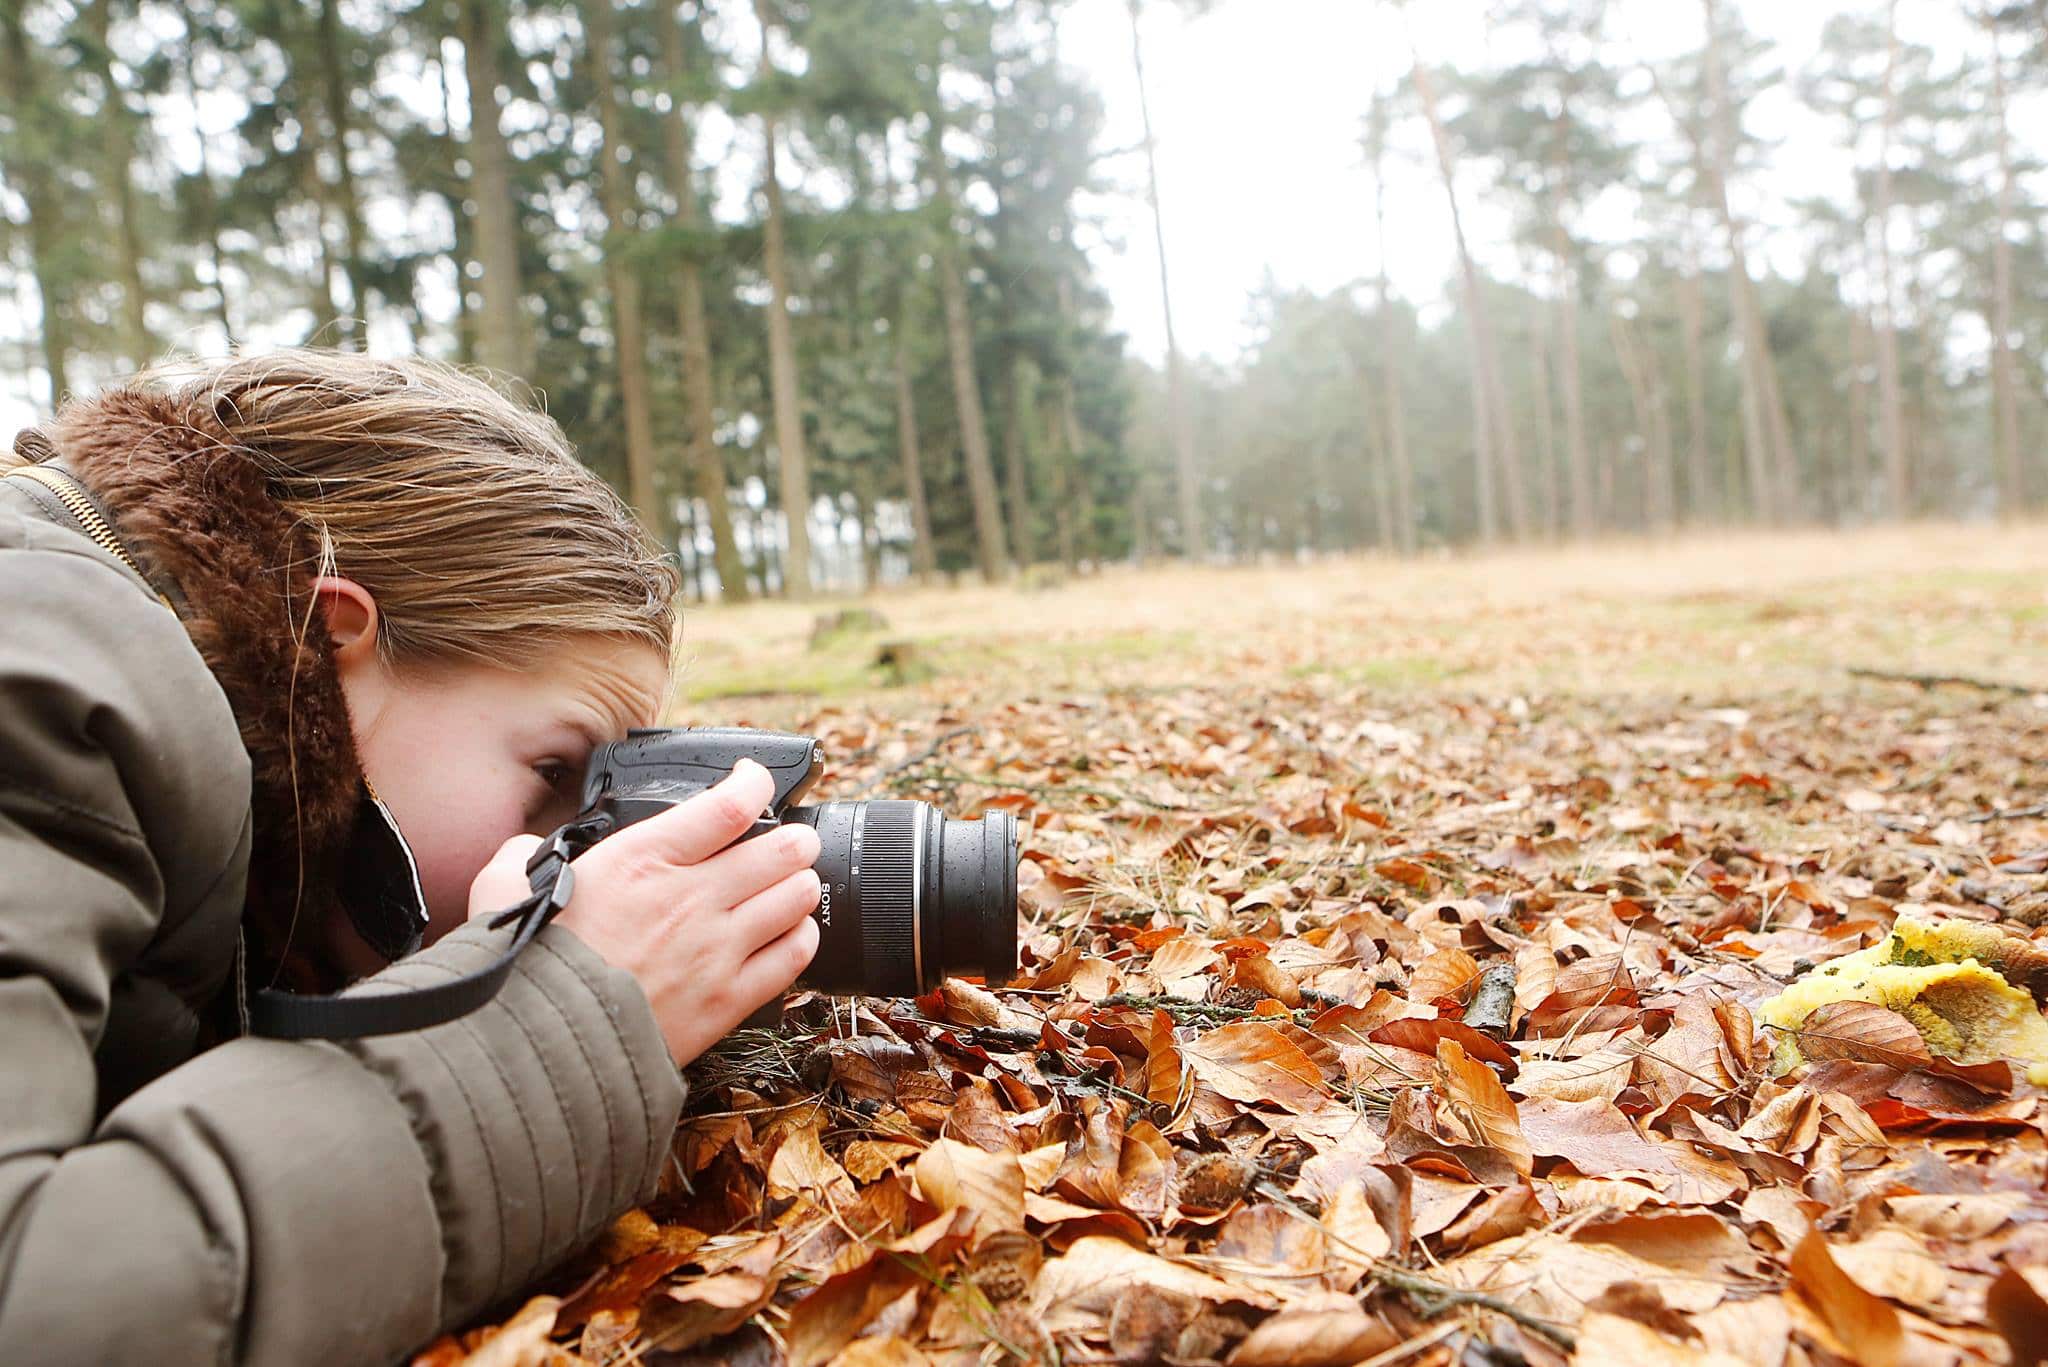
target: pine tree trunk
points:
(1859, 415)
(1702, 496)
(981, 479)
(922, 552)
(21, 90)
(1890, 398)
(1767, 454)
(2012, 489)
(117, 148)
(1579, 481)
(209, 203)
(1401, 472)
(463, 250)
(1490, 426)
(1646, 396)
(782, 371)
(1078, 491)
(1016, 456)
(1546, 435)
(1193, 545)
(503, 342)
(629, 333)
(701, 454)
(334, 82)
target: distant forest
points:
(894, 329)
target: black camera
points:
(909, 896)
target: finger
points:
(773, 912)
(503, 880)
(701, 826)
(739, 871)
(773, 967)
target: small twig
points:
(945, 738)
(1181, 1010)
(1936, 680)
(2009, 814)
(1432, 1298)
(947, 774)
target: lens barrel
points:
(910, 896)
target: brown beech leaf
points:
(705, 1307)
(1248, 1061)
(1863, 1033)
(1423, 1036)
(2017, 1305)
(1088, 1173)
(1867, 1326)
(1407, 873)
(1078, 1288)
(1476, 1099)
(952, 1175)
(1446, 973)
(1617, 1341)
(827, 1319)
(1313, 1338)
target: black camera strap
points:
(356, 1015)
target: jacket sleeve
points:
(267, 1201)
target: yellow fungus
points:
(1930, 973)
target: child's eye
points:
(552, 772)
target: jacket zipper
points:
(79, 504)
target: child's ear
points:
(351, 616)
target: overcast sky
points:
(1257, 112)
(1257, 109)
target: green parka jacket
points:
(179, 795)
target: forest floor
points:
(1394, 942)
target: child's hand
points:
(712, 930)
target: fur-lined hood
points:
(193, 510)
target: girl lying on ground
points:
(275, 636)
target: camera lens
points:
(910, 896)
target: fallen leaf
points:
(1476, 1098)
(1867, 1326)
(1313, 1338)
(1863, 1032)
(952, 1175)
(1250, 1062)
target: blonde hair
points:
(462, 510)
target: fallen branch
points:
(1493, 1004)
(1937, 680)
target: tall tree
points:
(1890, 401)
(1188, 479)
(1767, 440)
(1493, 431)
(700, 408)
(988, 518)
(33, 155)
(2012, 491)
(1392, 417)
(117, 130)
(502, 337)
(629, 332)
(334, 47)
(782, 367)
